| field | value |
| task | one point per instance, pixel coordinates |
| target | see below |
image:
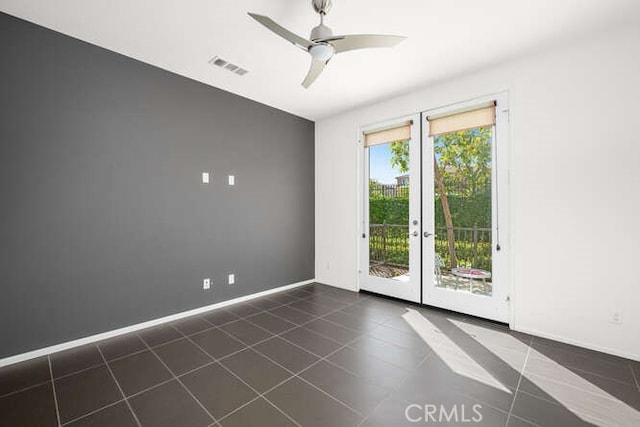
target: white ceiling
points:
(445, 38)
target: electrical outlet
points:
(232, 279)
(616, 318)
(206, 283)
(205, 177)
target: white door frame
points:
(495, 307)
(410, 290)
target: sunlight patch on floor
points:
(456, 359)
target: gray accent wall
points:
(104, 220)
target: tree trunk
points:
(447, 213)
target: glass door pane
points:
(389, 210)
(390, 245)
(462, 172)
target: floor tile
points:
(449, 402)
(292, 315)
(544, 413)
(514, 421)
(217, 343)
(159, 335)
(370, 368)
(258, 413)
(596, 365)
(312, 308)
(282, 298)
(85, 392)
(398, 356)
(271, 323)
(331, 330)
(32, 407)
(327, 301)
(435, 375)
(220, 317)
(244, 309)
(299, 293)
(74, 360)
(139, 372)
(294, 397)
(598, 407)
(169, 405)
(264, 303)
(25, 374)
(356, 392)
(635, 368)
(217, 389)
(121, 346)
(182, 356)
(116, 415)
(537, 370)
(192, 325)
(246, 332)
(311, 341)
(362, 324)
(286, 354)
(409, 340)
(256, 370)
(369, 312)
(393, 412)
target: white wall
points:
(574, 193)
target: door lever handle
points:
(427, 234)
(414, 234)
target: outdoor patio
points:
(446, 280)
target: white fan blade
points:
(282, 32)
(314, 72)
(362, 41)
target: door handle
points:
(414, 234)
(427, 234)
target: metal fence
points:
(388, 190)
(389, 244)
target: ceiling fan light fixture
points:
(321, 52)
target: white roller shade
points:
(485, 116)
(400, 132)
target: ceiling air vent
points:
(224, 64)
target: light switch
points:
(232, 279)
(232, 180)
(205, 177)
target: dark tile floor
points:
(320, 356)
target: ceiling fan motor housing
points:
(320, 32)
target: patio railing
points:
(389, 244)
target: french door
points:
(390, 230)
(434, 219)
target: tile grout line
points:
(181, 383)
(53, 388)
(259, 395)
(294, 375)
(26, 388)
(135, 417)
(524, 366)
(635, 378)
(95, 411)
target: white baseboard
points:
(128, 329)
(577, 343)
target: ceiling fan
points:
(322, 44)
